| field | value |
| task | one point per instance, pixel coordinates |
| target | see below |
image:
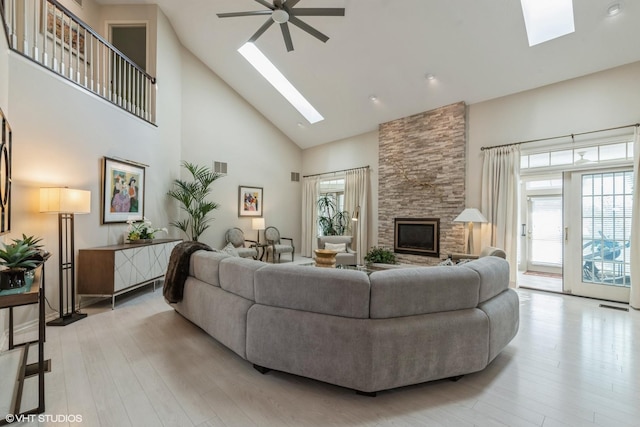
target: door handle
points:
(566, 234)
(524, 231)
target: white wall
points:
(218, 125)
(354, 152)
(61, 133)
(597, 101)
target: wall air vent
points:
(295, 176)
(220, 167)
(79, 2)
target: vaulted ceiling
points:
(476, 49)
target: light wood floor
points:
(572, 364)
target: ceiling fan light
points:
(280, 16)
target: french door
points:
(597, 210)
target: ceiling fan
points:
(282, 12)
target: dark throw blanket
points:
(178, 269)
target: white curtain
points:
(500, 184)
(309, 216)
(356, 191)
(634, 299)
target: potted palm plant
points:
(192, 198)
(17, 258)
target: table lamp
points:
(257, 224)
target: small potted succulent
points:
(17, 258)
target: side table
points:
(17, 355)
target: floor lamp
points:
(66, 203)
(470, 215)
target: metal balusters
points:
(46, 32)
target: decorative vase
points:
(325, 258)
(12, 278)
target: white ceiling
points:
(477, 49)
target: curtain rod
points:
(561, 136)
(335, 172)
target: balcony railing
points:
(49, 34)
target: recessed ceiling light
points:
(269, 71)
(373, 98)
(430, 76)
(614, 9)
(547, 19)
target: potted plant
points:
(332, 221)
(191, 195)
(380, 255)
(141, 232)
(17, 258)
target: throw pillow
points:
(231, 250)
(338, 247)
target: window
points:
(333, 190)
(563, 157)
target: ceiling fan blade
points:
(287, 36)
(290, 3)
(266, 4)
(317, 11)
(308, 28)
(261, 30)
(255, 12)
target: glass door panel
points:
(598, 242)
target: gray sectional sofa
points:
(365, 332)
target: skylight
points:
(269, 71)
(547, 19)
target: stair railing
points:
(49, 34)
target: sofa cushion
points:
(494, 275)
(411, 291)
(338, 247)
(204, 266)
(237, 275)
(319, 290)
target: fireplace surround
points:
(417, 236)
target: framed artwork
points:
(5, 175)
(250, 201)
(122, 191)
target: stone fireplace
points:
(422, 175)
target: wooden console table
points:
(13, 363)
(110, 271)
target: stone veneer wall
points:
(422, 175)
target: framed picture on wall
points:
(250, 201)
(122, 191)
(5, 175)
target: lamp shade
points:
(470, 215)
(65, 200)
(257, 224)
